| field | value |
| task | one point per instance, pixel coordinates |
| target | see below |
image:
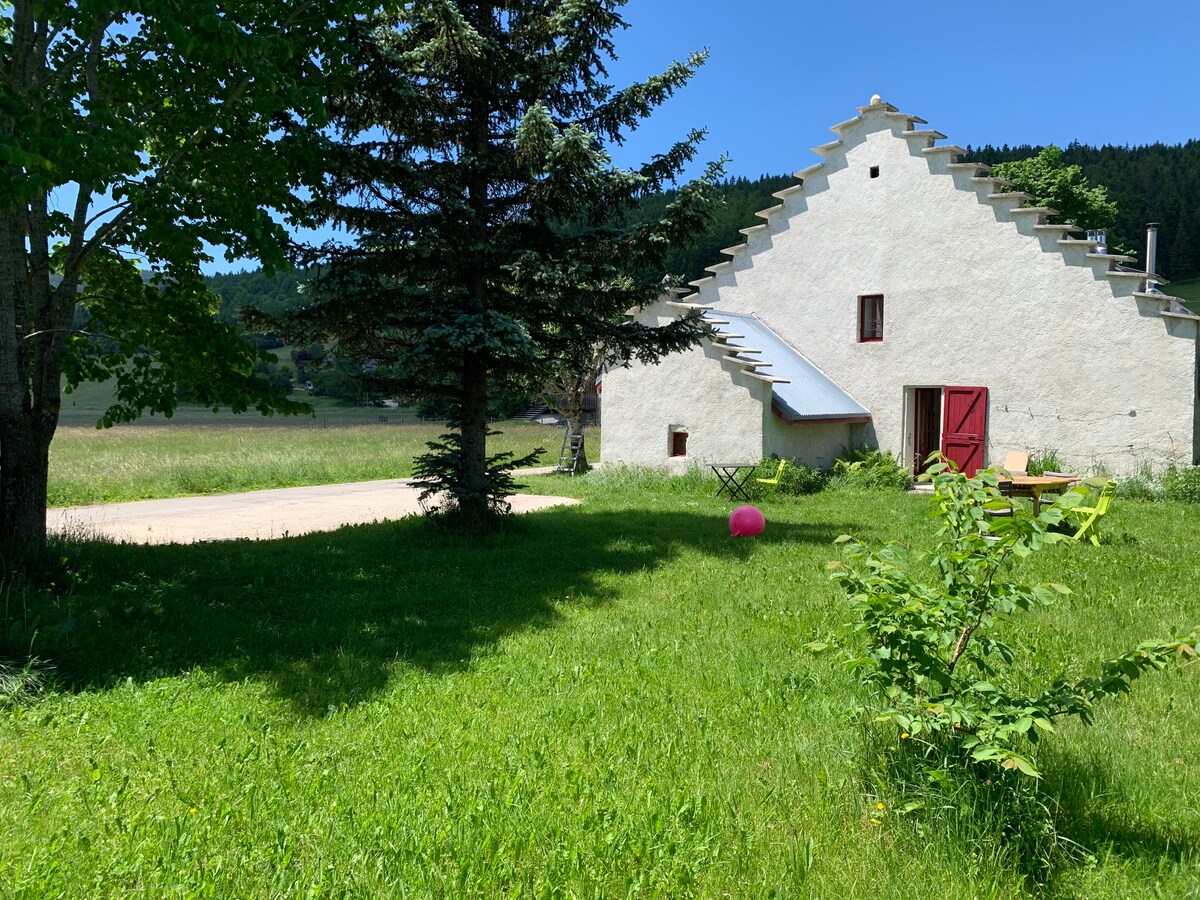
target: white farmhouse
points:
(901, 299)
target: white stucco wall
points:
(973, 296)
(720, 409)
(815, 444)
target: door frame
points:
(911, 407)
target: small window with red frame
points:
(870, 318)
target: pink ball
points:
(746, 521)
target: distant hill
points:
(274, 295)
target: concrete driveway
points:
(257, 515)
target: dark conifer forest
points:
(1151, 183)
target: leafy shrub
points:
(1044, 460)
(801, 479)
(1182, 484)
(797, 479)
(934, 670)
(446, 497)
(869, 469)
(1142, 486)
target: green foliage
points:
(1044, 460)
(1063, 187)
(739, 200)
(1182, 484)
(276, 293)
(156, 338)
(797, 478)
(936, 671)
(133, 137)
(1150, 183)
(1142, 486)
(864, 468)
(475, 133)
(339, 378)
(457, 501)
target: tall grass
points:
(609, 700)
(138, 463)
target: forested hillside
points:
(273, 295)
(742, 199)
(1154, 183)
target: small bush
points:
(1142, 486)
(1182, 484)
(797, 479)
(801, 479)
(869, 469)
(1044, 460)
(934, 665)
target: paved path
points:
(259, 515)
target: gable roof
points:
(1009, 205)
(800, 392)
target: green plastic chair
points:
(1084, 518)
(778, 474)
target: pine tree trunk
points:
(473, 497)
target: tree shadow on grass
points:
(1084, 795)
(324, 618)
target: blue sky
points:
(780, 72)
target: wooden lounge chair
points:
(1084, 518)
(778, 474)
(1016, 462)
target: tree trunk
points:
(473, 496)
(24, 471)
(574, 412)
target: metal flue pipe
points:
(1151, 257)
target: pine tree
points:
(494, 249)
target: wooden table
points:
(733, 477)
(1035, 485)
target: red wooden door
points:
(964, 426)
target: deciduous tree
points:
(1062, 187)
(131, 135)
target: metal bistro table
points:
(733, 477)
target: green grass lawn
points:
(137, 462)
(610, 700)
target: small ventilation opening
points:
(679, 443)
(874, 171)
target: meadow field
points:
(144, 462)
(610, 700)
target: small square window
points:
(870, 318)
(679, 443)
(874, 171)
